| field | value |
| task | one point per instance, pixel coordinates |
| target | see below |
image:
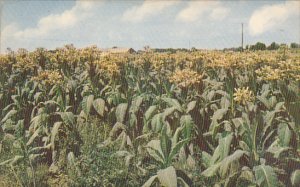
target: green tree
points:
(273, 46)
(295, 45)
(258, 46)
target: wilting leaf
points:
(167, 177)
(99, 106)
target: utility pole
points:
(242, 36)
(1, 6)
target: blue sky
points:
(161, 24)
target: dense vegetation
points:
(76, 117)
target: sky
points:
(157, 23)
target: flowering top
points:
(243, 95)
(185, 78)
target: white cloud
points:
(52, 26)
(47, 26)
(219, 13)
(201, 9)
(146, 10)
(271, 16)
(54, 22)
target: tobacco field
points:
(78, 117)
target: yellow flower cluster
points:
(66, 55)
(268, 73)
(25, 61)
(49, 78)
(291, 69)
(110, 65)
(243, 95)
(4, 62)
(185, 78)
(90, 53)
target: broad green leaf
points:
(168, 111)
(284, 134)
(38, 121)
(68, 118)
(173, 103)
(87, 103)
(177, 133)
(212, 170)
(136, 103)
(294, 110)
(219, 114)
(265, 176)
(149, 182)
(187, 123)
(33, 136)
(295, 178)
(222, 149)
(154, 150)
(150, 112)
(182, 182)
(276, 150)
(176, 148)
(224, 166)
(121, 111)
(33, 156)
(71, 158)
(54, 132)
(265, 101)
(157, 122)
(268, 118)
(206, 159)
(226, 162)
(37, 96)
(167, 177)
(246, 178)
(191, 106)
(165, 142)
(10, 114)
(116, 128)
(16, 159)
(99, 106)
(6, 162)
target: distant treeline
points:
(262, 46)
(255, 47)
